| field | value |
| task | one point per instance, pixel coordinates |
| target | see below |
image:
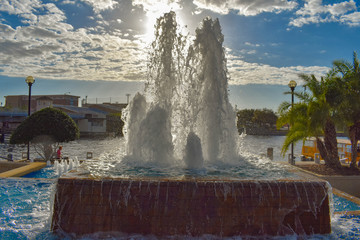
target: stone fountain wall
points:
(192, 207)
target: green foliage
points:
(349, 107)
(46, 122)
(299, 129)
(244, 117)
(349, 89)
(313, 116)
(255, 118)
(264, 117)
(114, 124)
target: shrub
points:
(47, 127)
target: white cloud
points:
(68, 2)
(252, 44)
(19, 6)
(101, 5)
(246, 7)
(352, 19)
(314, 11)
(7, 31)
(49, 47)
(72, 55)
(242, 72)
(158, 5)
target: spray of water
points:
(184, 113)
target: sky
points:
(99, 48)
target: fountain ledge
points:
(190, 206)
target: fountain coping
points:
(81, 173)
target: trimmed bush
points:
(48, 121)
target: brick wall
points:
(165, 207)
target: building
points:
(91, 122)
(43, 102)
(114, 123)
(22, 101)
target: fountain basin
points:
(191, 206)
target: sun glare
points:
(152, 15)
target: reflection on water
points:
(258, 145)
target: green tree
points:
(312, 117)
(264, 117)
(244, 119)
(115, 124)
(349, 108)
(256, 119)
(46, 129)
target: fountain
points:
(184, 118)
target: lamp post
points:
(29, 80)
(292, 84)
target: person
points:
(58, 153)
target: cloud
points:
(352, 19)
(159, 5)
(101, 5)
(20, 6)
(242, 72)
(6, 30)
(74, 55)
(47, 46)
(245, 7)
(38, 32)
(252, 44)
(314, 11)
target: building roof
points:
(13, 113)
(107, 107)
(52, 95)
(80, 112)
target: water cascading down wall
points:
(164, 207)
(185, 115)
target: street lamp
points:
(29, 80)
(292, 84)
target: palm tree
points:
(350, 106)
(312, 117)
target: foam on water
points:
(25, 208)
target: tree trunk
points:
(354, 134)
(330, 142)
(322, 149)
(328, 149)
